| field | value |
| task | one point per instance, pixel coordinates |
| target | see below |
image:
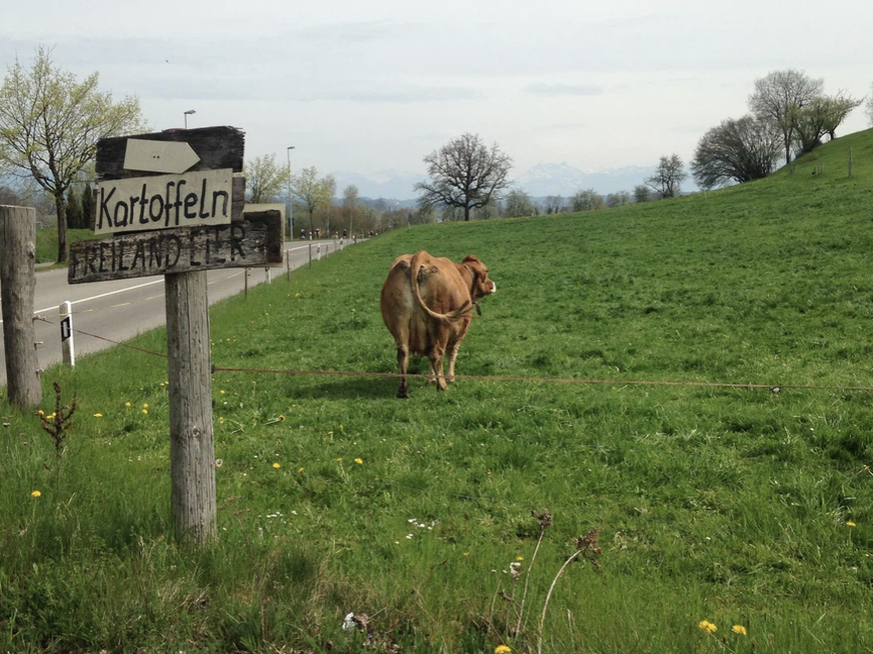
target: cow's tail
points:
(452, 318)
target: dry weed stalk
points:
(57, 425)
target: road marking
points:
(102, 295)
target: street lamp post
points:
(290, 201)
(188, 113)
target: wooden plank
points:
(164, 201)
(275, 225)
(171, 251)
(217, 147)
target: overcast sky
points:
(369, 85)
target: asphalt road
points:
(119, 310)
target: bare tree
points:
(668, 177)
(780, 96)
(50, 124)
(265, 179)
(736, 151)
(350, 206)
(868, 106)
(554, 204)
(464, 174)
(617, 199)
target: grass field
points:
(731, 519)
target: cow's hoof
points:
(403, 394)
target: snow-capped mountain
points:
(565, 180)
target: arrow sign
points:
(159, 156)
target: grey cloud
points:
(551, 90)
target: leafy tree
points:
(780, 96)
(88, 205)
(643, 193)
(312, 192)
(668, 176)
(820, 117)
(736, 151)
(350, 207)
(75, 217)
(587, 200)
(464, 174)
(265, 179)
(518, 203)
(8, 196)
(50, 124)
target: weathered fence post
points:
(18, 284)
(192, 446)
(67, 348)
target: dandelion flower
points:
(98, 415)
(145, 411)
(127, 404)
(145, 406)
(361, 461)
(850, 524)
(277, 466)
(340, 459)
(35, 493)
(739, 629)
(707, 626)
(222, 392)
(519, 558)
(502, 649)
(300, 470)
(40, 412)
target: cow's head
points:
(481, 285)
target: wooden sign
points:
(164, 201)
(153, 156)
(216, 148)
(244, 243)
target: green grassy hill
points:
(746, 508)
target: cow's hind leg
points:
(436, 363)
(452, 357)
(403, 362)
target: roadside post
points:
(172, 203)
(66, 316)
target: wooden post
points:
(192, 445)
(18, 284)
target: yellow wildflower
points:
(127, 404)
(145, 410)
(519, 558)
(851, 524)
(277, 466)
(359, 461)
(36, 493)
(707, 626)
(502, 649)
(98, 415)
(739, 629)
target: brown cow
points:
(427, 304)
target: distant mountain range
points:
(539, 181)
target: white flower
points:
(408, 536)
(349, 622)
